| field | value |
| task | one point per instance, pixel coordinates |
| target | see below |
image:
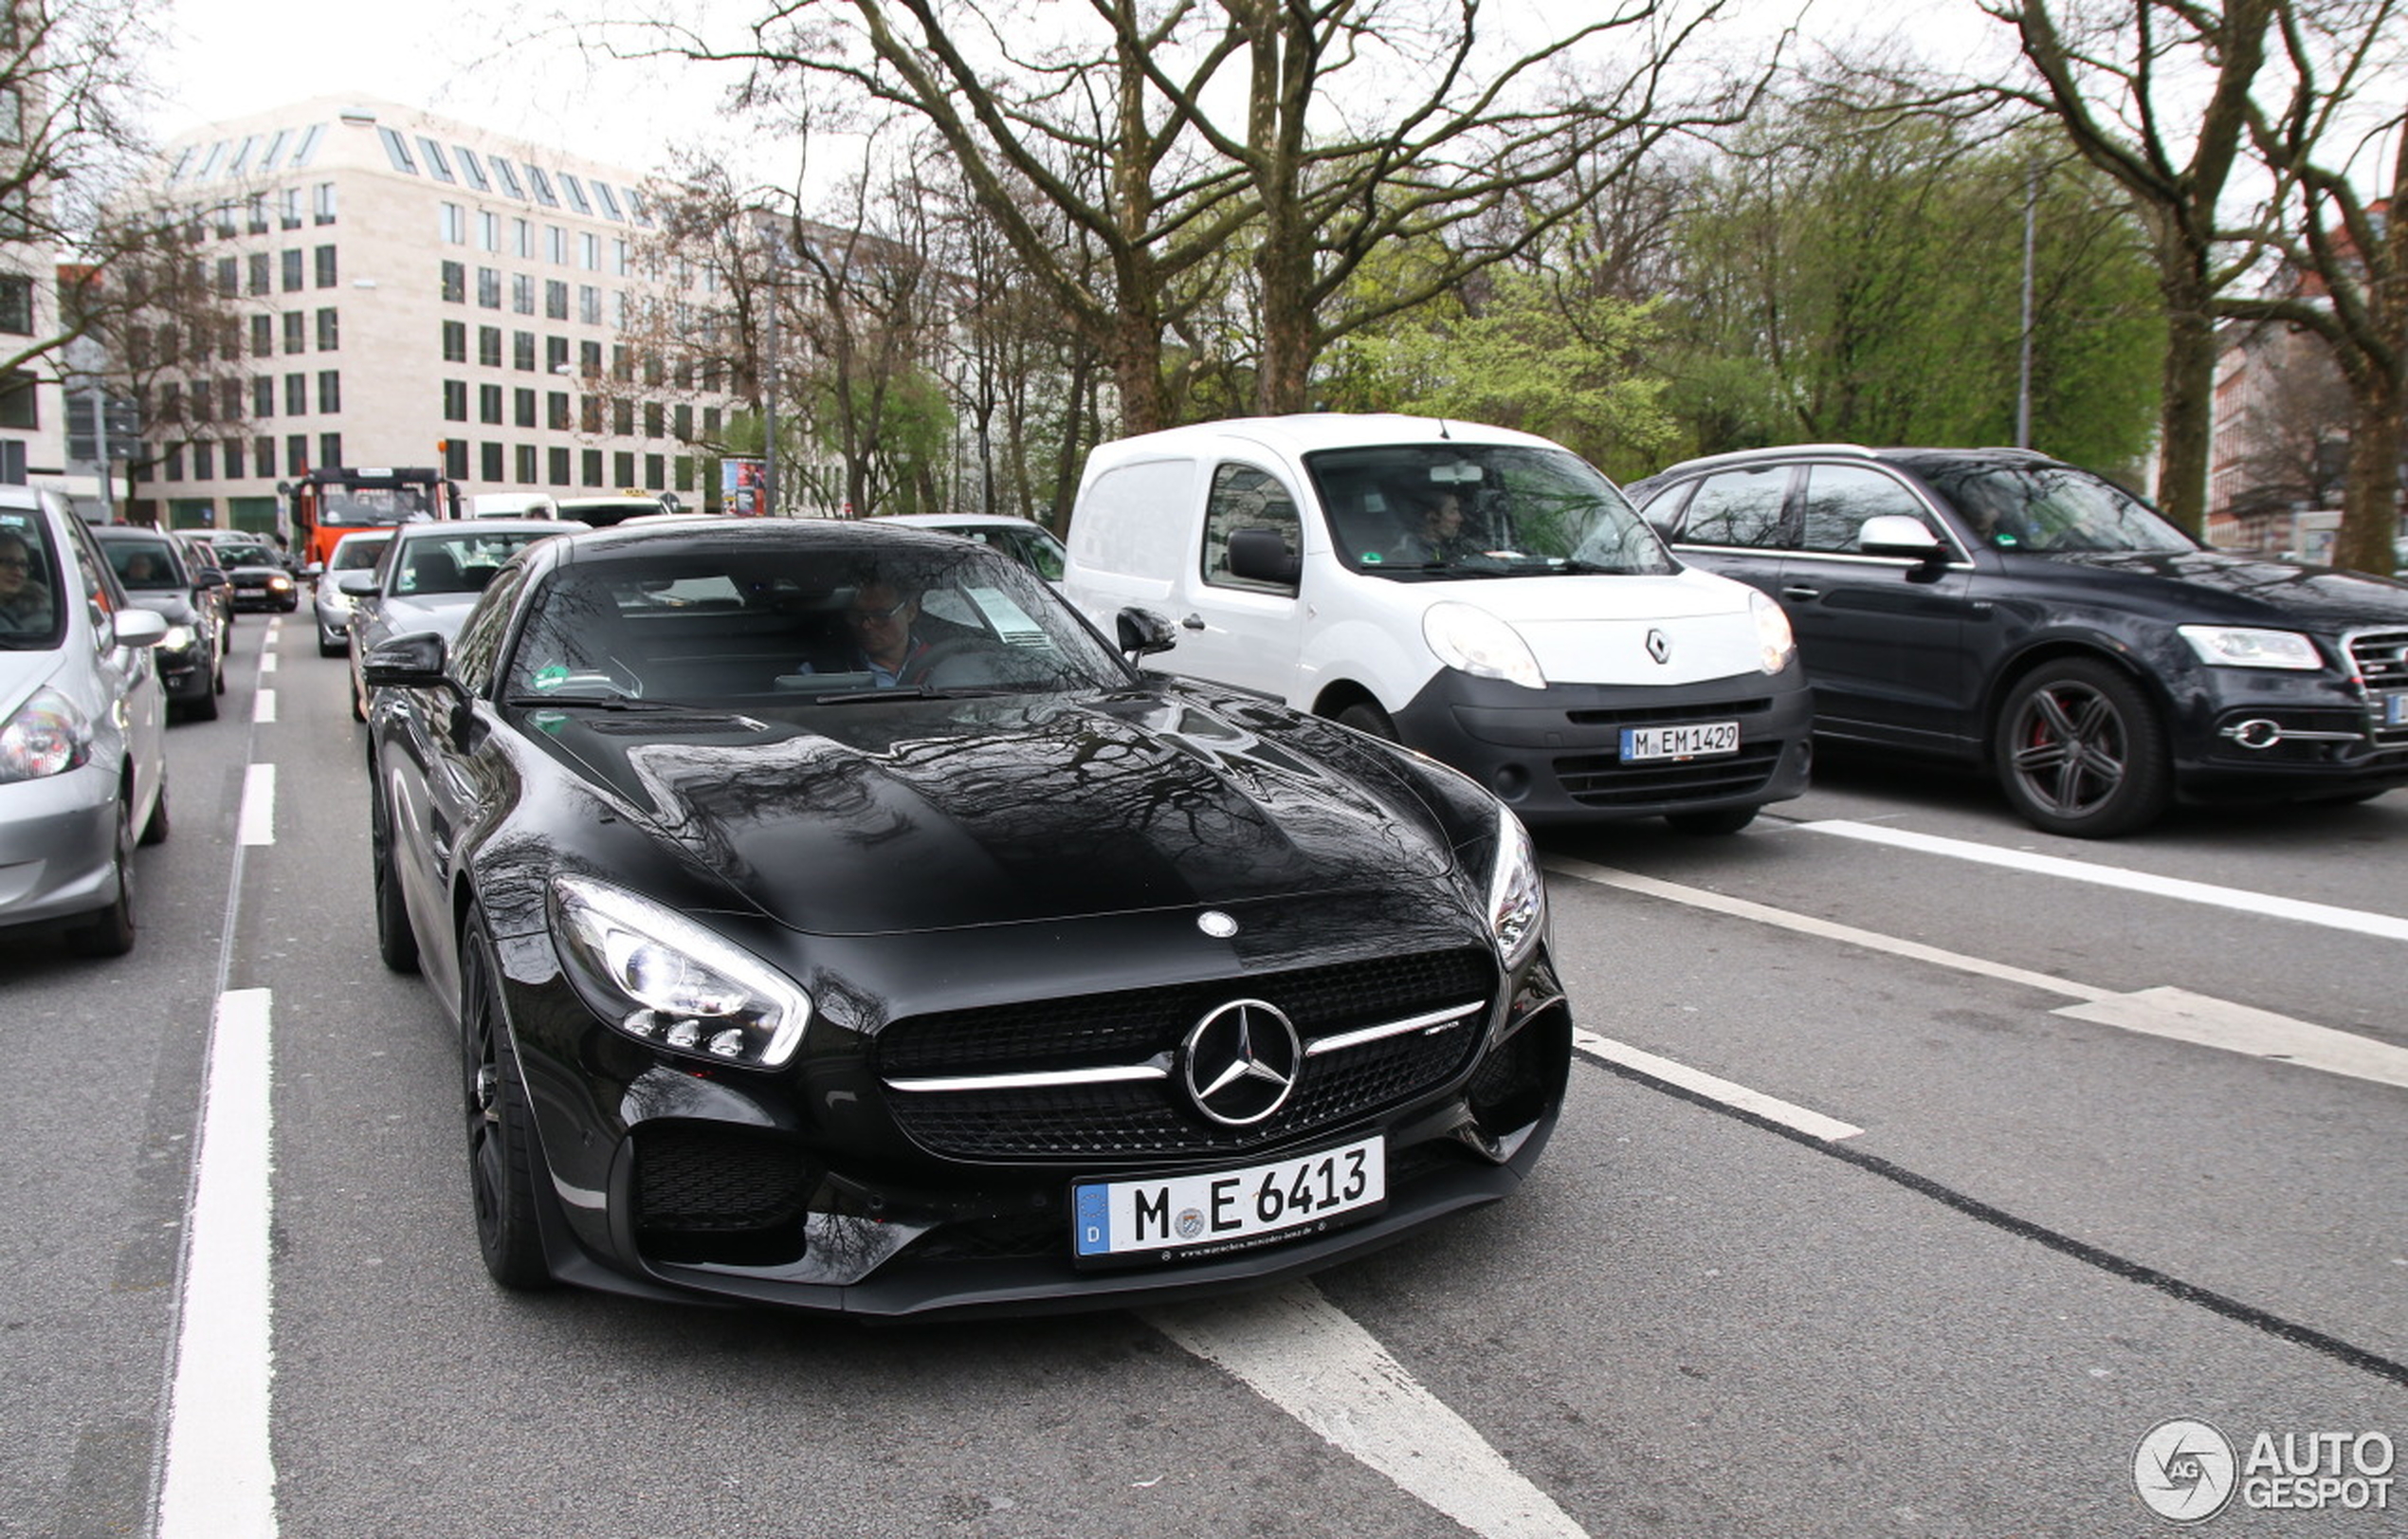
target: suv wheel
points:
(2079, 751)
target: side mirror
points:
(1143, 633)
(131, 627)
(415, 661)
(315, 569)
(358, 584)
(1894, 533)
(1262, 556)
(213, 577)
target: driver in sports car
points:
(881, 619)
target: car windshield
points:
(463, 563)
(29, 618)
(358, 555)
(1422, 512)
(144, 565)
(2053, 508)
(242, 552)
(371, 506)
(835, 624)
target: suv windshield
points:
(144, 565)
(1422, 512)
(2053, 507)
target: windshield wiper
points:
(615, 702)
(900, 691)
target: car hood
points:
(439, 612)
(2251, 589)
(1594, 629)
(175, 608)
(21, 674)
(913, 816)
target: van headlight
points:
(1776, 643)
(669, 983)
(46, 736)
(1469, 638)
(1517, 891)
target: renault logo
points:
(1659, 647)
(1240, 1062)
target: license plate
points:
(1693, 739)
(1180, 1218)
(2396, 709)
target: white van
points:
(1481, 595)
(514, 504)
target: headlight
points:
(670, 983)
(178, 638)
(280, 582)
(1516, 890)
(2232, 646)
(1776, 643)
(1469, 638)
(46, 736)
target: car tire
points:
(502, 1144)
(156, 831)
(110, 932)
(2080, 751)
(1706, 824)
(1368, 720)
(217, 671)
(396, 943)
(329, 649)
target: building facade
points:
(403, 289)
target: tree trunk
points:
(2186, 414)
(2370, 501)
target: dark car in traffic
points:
(1023, 981)
(2009, 609)
(262, 575)
(154, 568)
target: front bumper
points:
(58, 846)
(186, 674)
(283, 600)
(816, 1189)
(1553, 755)
(2265, 734)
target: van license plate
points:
(1181, 1217)
(1696, 740)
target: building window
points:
(325, 266)
(295, 395)
(590, 415)
(522, 408)
(542, 185)
(559, 466)
(489, 229)
(622, 365)
(682, 422)
(397, 150)
(263, 335)
(590, 360)
(16, 307)
(489, 462)
(556, 354)
(622, 422)
(297, 455)
(230, 277)
(489, 288)
(655, 420)
(330, 390)
(590, 468)
(655, 473)
(590, 252)
(455, 282)
(264, 455)
(20, 404)
(525, 456)
(489, 346)
(322, 204)
(295, 331)
(577, 195)
(474, 170)
(556, 410)
(710, 424)
(455, 400)
(288, 209)
(609, 204)
(229, 399)
(264, 396)
(293, 275)
(263, 271)
(523, 293)
(234, 460)
(489, 409)
(623, 469)
(589, 305)
(684, 472)
(176, 461)
(454, 222)
(204, 461)
(522, 350)
(521, 236)
(329, 334)
(455, 458)
(330, 448)
(432, 153)
(555, 244)
(256, 223)
(509, 175)
(555, 299)
(455, 341)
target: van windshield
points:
(1449, 512)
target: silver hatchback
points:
(82, 748)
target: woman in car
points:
(24, 601)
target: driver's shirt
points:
(886, 678)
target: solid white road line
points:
(1812, 1124)
(219, 1481)
(1296, 1349)
(263, 706)
(256, 824)
(2386, 927)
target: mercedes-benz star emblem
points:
(1659, 647)
(1241, 1062)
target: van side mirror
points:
(1262, 556)
(1143, 633)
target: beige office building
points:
(415, 291)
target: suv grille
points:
(1604, 780)
(2380, 658)
(1152, 1118)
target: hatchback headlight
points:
(1516, 890)
(1776, 643)
(47, 736)
(1468, 638)
(2234, 645)
(178, 638)
(669, 983)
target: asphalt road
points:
(1951, 1229)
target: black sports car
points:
(832, 919)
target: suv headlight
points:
(669, 983)
(1516, 890)
(1468, 638)
(2234, 645)
(47, 736)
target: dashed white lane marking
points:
(263, 706)
(256, 824)
(2386, 927)
(220, 1481)
(1296, 1349)
(2172, 1013)
(1771, 1108)
(266, 662)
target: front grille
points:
(1152, 1118)
(1640, 715)
(1605, 781)
(699, 1178)
(2380, 658)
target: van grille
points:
(1605, 781)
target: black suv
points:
(2003, 607)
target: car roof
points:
(1909, 456)
(1311, 431)
(477, 528)
(131, 531)
(957, 521)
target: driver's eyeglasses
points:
(873, 616)
(15, 563)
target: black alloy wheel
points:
(501, 1148)
(395, 941)
(110, 932)
(2079, 751)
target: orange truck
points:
(330, 503)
